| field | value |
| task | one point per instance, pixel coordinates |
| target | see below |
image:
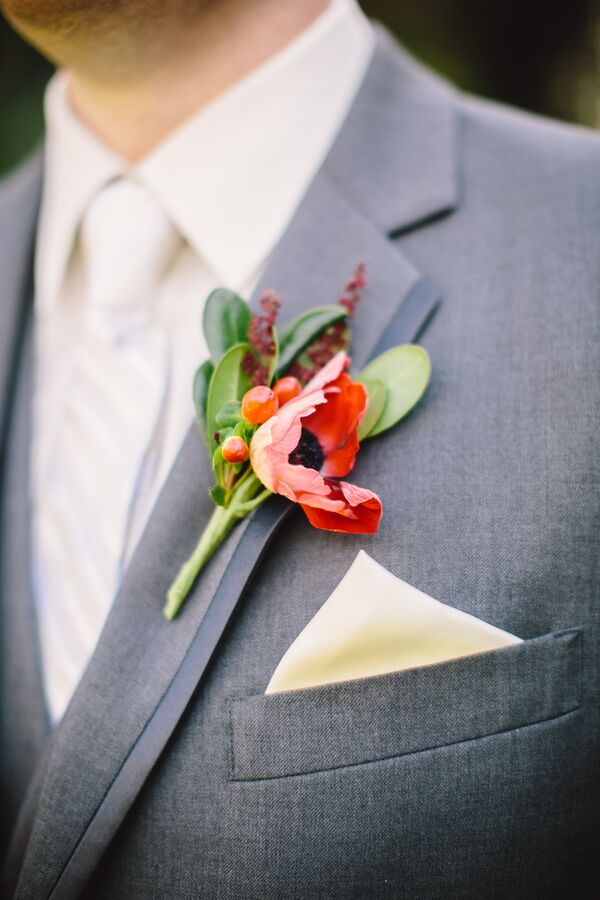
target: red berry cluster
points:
(353, 289)
(320, 352)
(261, 338)
(335, 338)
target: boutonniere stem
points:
(247, 497)
(285, 414)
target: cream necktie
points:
(105, 452)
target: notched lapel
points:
(145, 669)
(19, 204)
(323, 245)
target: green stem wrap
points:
(244, 500)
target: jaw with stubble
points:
(107, 38)
(138, 68)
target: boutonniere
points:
(285, 414)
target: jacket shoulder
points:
(513, 136)
(499, 147)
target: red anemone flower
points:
(312, 441)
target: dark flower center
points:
(308, 453)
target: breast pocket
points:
(377, 718)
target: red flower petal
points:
(348, 508)
(331, 408)
(335, 424)
(328, 373)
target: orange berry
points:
(259, 404)
(286, 389)
(235, 449)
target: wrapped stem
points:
(248, 496)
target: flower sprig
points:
(283, 414)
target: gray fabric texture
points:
(23, 719)
(469, 779)
(345, 724)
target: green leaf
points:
(224, 433)
(218, 495)
(228, 383)
(230, 414)
(275, 358)
(405, 372)
(224, 322)
(303, 331)
(218, 462)
(200, 393)
(377, 392)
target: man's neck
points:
(134, 112)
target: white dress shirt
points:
(230, 179)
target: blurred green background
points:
(541, 55)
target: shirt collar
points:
(232, 175)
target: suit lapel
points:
(145, 669)
(23, 722)
(19, 204)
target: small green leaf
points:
(245, 430)
(376, 391)
(218, 495)
(230, 414)
(217, 460)
(275, 358)
(303, 331)
(200, 393)
(228, 384)
(224, 433)
(405, 372)
(224, 322)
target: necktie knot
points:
(127, 242)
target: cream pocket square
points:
(375, 623)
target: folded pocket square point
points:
(374, 623)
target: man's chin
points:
(45, 15)
(31, 9)
(60, 16)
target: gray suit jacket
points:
(171, 774)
